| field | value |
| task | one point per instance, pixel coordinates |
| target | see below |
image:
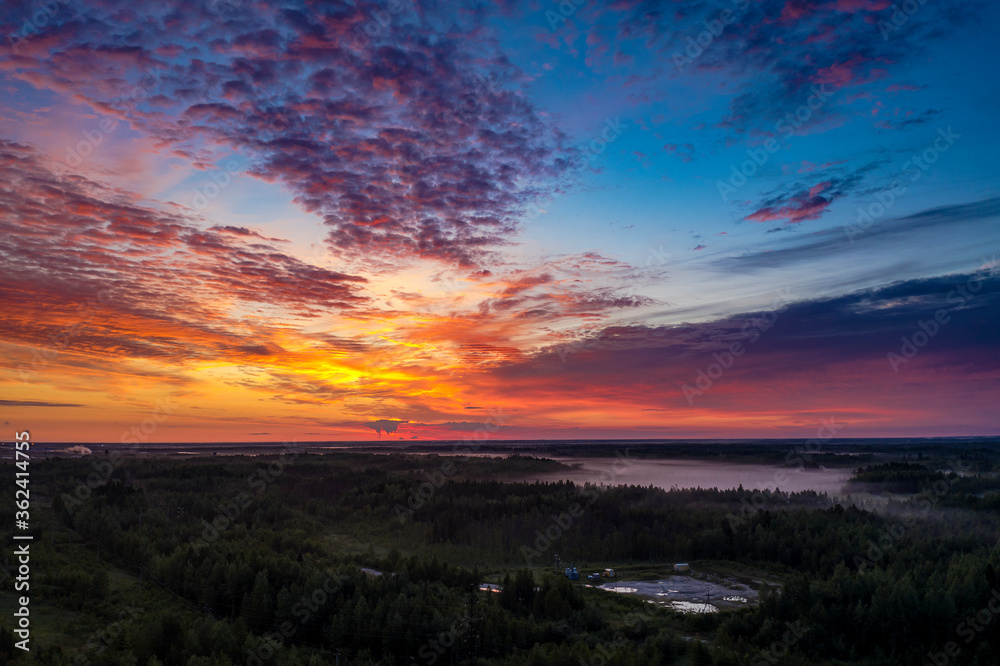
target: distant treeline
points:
(980, 454)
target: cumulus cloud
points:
(93, 266)
(416, 142)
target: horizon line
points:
(530, 441)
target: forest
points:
(359, 558)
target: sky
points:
(313, 221)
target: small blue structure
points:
(572, 573)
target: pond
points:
(688, 594)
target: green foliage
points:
(247, 561)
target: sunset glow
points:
(291, 220)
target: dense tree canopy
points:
(251, 561)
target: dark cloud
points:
(243, 232)
(798, 202)
(778, 49)
(683, 150)
(845, 340)
(902, 120)
(468, 426)
(881, 233)
(388, 426)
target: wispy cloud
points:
(36, 403)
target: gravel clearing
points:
(688, 594)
